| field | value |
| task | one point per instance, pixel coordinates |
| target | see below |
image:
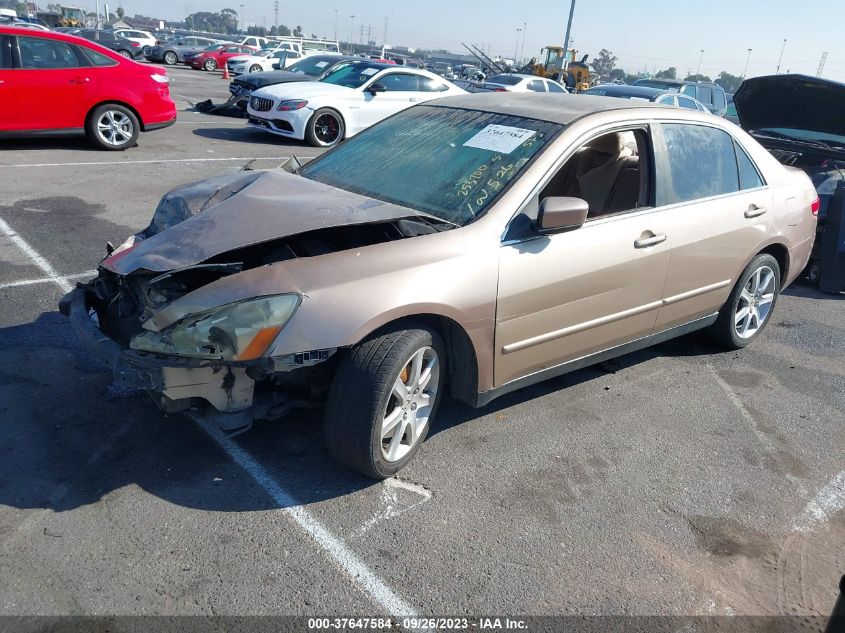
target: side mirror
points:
(558, 214)
(376, 88)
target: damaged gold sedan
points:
(476, 244)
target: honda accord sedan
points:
(466, 247)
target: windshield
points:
(352, 76)
(450, 163)
(213, 47)
(313, 66)
(507, 80)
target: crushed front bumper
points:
(174, 383)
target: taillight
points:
(500, 90)
(134, 44)
(815, 205)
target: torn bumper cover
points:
(225, 386)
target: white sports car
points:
(263, 60)
(345, 102)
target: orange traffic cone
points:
(225, 71)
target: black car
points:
(799, 120)
(312, 68)
(120, 45)
(645, 93)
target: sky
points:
(643, 34)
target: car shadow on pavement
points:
(245, 135)
(807, 291)
(71, 438)
(70, 143)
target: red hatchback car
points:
(52, 83)
(214, 59)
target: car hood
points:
(272, 77)
(798, 102)
(205, 219)
(304, 90)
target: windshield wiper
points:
(788, 137)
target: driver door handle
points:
(753, 211)
(645, 242)
(80, 80)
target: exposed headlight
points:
(162, 79)
(287, 106)
(238, 331)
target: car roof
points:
(545, 107)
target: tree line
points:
(605, 65)
(226, 21)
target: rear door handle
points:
(645, 242)
(753, 211)
(80, 80)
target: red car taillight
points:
(815, 205)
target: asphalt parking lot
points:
(683, 480)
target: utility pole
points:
(748, 59)
(568, 28)
(335, 25)
(821, 64)
(351, 31)
(384, 41)
(524, 31)
(276, 13)
(700, 56)
(516, 49)
(780, 59)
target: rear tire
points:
(124, 53)
(112, 127)
(170, 58)
(383, 399)
(255, 68)
(750, 305)
(325, 128)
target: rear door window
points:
(749, 175)
(719, 101)
(689, 89)
(400, 82)
(553, 87)
(701, 163)
(705, 95)
(44, 54)
(686, 102)
(537, 85)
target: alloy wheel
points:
(755, 302)
(327, 128)
(409, 406)
(115, 128)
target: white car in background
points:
(146, 39)
(520, 83)
(264, 60)
(345, 102)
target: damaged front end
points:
(172, 313)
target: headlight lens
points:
(238, 331)
(287, 106)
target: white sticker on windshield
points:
(500, 138)
(322, 64)
(369, 71)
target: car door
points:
(9, 95)
(567, 296)
(56, 74)
(401, 90)
(716, 220)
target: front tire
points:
(750, 305)
(210, 65)
(112, 127)
(325, 128)
(255, 68)
(125, 53)
(383, 398)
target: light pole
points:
(524, 31)
(700, 56)
(516, 49)
(566, 41)
(243, 22)
(351, 31)
(748, 59)
(335, 25)
(780, 59)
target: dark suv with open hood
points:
(799, 119)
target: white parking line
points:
(357, 571)
(147, 162)
(33, 255)
(830, 500)
(46, 280)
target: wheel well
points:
(781, 254)
(120, 103)
(462, 364)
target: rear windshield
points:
(506, 80)
(312, 66)
(450, 163)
